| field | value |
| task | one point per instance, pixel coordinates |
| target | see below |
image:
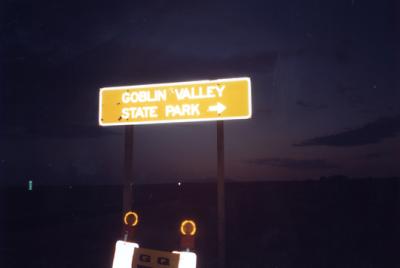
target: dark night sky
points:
(324, 76)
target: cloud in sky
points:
(371, 133)
(292, 163)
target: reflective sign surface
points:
(209, 100)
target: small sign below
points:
(123, 254)
(186, 259)
(150, 258)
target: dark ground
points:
(331, 223)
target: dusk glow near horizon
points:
(324, 90)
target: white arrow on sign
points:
(219, 108)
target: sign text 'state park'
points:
(208, 100)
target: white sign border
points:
(177, 120)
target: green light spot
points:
(30, 185)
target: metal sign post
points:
(128, 170)
(221, 194)
(191, 101)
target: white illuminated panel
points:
(186, 259)
(123, 254)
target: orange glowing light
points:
(135, 217)
(188, 227)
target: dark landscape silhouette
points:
(332, 222)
